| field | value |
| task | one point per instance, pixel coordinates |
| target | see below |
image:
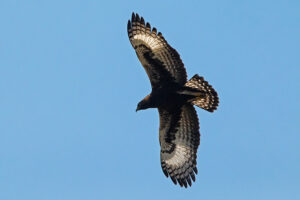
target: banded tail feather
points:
(207, 98)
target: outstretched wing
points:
(179, 139)
(161, 62)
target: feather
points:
(146, 42)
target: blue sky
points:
(70, 82)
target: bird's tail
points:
(206, 97)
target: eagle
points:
(174, 96)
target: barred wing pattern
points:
(161, 62)
(179, 139)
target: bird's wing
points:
(161, 62)
(179, 139)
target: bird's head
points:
(144, 104)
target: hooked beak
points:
(137, 108)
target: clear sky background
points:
(70, 82)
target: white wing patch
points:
(179, 157)
(153, 43)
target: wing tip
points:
(154, 30)
(137, 17)
(139, 21)
(132, 17)
(148, 25)
(184, 180)
(136, 21)
(165, 171)
(195, 170)
(142, 21)
(129, 25)
(174, 180)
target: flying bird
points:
(174, 97)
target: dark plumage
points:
(174, 97)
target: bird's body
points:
(174, 98)
(167, 97)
